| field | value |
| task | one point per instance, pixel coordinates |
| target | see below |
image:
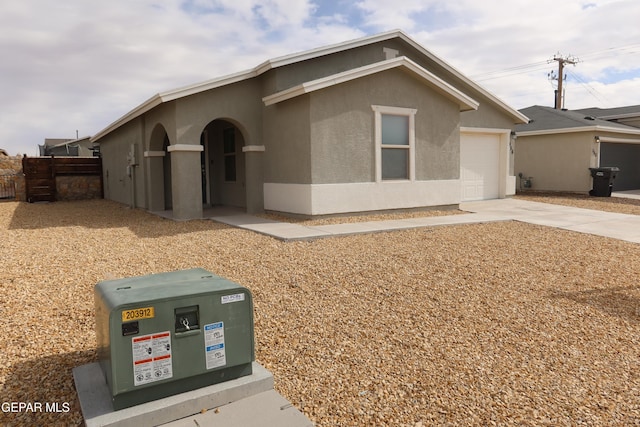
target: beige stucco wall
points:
(183, 121)
(287, 157)
(558, 162)
(342, 128)
(487, 115)
(282, 78)
(165, 116)
(238, 103)
(114, 147)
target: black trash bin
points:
(603, 181)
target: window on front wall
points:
(394, 136)
(229, 147)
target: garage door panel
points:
(626, 157)
(479, 166)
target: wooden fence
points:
(40, 174)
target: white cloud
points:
(81, 64)
(385, 15)
(269, 13)
(494, 35)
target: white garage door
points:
(480, 166)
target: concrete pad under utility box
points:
(97, 410)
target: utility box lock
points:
(186, 319)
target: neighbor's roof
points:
(171, 95)
(59, 142)
(613, 113)
(548, 120)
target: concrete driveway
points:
(607, 224)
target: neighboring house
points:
(3, 153)
(629, 116)
(371, 124)
(557, 147)
(81, 147)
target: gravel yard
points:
(487, 324)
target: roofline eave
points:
(465, 102)
(297, 57)
(597, 128)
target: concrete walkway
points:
(292, 231)
(607, 224)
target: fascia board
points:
(466, 103)
(579, 129)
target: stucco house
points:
(376, 123)
(629, 115)
(557, 147)
(80, 147)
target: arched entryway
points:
(223, 164)
(159, 170)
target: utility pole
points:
(562, 61)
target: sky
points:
(70, 68)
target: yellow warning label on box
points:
(138, 313)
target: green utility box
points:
(168, 333)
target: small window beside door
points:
(229, 147)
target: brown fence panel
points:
(40, 174)
(78, 166)
(39, 179)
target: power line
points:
(542, 65)
(634, 47)
(507, 70)
(501, 74)
(592, 91)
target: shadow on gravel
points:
(102, 214)
(41, 391)
(615, 301)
